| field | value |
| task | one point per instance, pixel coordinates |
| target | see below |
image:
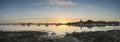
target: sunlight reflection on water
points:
(59, 30)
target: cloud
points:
(61, 2)
(11, 8)
(91, 7)
(94, 7)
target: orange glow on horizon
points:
(62, 20)
(48, 20)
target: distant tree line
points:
(94, 23)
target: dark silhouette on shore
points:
(91, 23)
(88, 23)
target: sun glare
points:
(62, 20)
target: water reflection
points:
(58, 29)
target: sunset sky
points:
(58, 10)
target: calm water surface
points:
(59, 30)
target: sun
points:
(58, 20)
(62, 20)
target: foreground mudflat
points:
(97, 36)
(37, 36)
